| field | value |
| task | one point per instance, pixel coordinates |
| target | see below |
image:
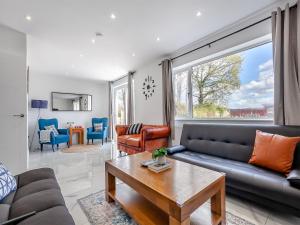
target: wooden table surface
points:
(175, 193)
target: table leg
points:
(79, 138)
(110, 185)
(173, 221)
(70, 140)
(218, 206)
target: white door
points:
(13, 100)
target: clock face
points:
(148, 87)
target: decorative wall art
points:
(148, 87)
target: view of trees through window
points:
(237, 86)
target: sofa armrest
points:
(294, 178)
(19, 218)
(63, 131)
(121, 129)
(151, 133)
(89, 129)
(175, 149)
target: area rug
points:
(82, 148)
(100, 212)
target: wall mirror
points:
(71, 102)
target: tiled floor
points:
(80, 174)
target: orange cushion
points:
(134, 140)
(274, 151)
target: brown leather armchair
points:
(150, 138)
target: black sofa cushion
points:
(38, 201)
(58, 215)
(35, 175)
(36, 186)
(247, 177)
(4, 212)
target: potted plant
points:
(160, 155)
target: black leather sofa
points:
(37, 201)
(228, 148)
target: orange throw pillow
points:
(274, 151)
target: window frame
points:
(234, 50)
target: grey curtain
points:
(110, 102)
(130, 108)
(167, 94)
(286, 50)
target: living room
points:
(172, 112)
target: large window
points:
(235, 86)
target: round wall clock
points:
(148, 87)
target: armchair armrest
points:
(19, 218)
(294, 178)
(175, 149)
(89, 129)
(150, 133)
(63, 131)
(121, 129)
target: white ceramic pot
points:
(162, 160)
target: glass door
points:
(119, 105)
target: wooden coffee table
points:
(170, 197)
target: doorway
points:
(119, 110)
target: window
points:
(181, 94)
(234, 86)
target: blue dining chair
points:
(92, 134)
(62, 137)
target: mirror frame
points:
(54, 92)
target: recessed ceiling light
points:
(81, 55)
(133, 54)
(112, 16)
(157, 39)
(198, 13)
(93, 41)
(28, 17)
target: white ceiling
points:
(61, 30)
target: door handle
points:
(19, 115)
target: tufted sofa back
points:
(231, 141)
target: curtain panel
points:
(110, 116)
(168, 97)
(130, 107)
(286, 50)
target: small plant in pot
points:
(160, 155)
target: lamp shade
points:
(39, 104)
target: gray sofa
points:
(228, 148)
(37, 201)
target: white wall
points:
(41, 86)
(150, 111)
(13, 100)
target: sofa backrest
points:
(231, 141)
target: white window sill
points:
(180, 122)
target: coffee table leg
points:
(110, 185)
(173, 221)
(218, 206)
